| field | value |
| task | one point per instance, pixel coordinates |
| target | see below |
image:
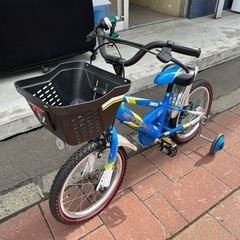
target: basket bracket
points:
(99, 90)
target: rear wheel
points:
(200, 98)
(74, 197)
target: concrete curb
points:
(26, 195)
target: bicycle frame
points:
(151, 127)
(155, 124)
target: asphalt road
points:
(225, 78)
(34, 154)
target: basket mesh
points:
(49, 95)
(88, 123)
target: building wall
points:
(182, 8)
(199, 8)
(166, 6)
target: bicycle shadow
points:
(203, 159)
(112, 215)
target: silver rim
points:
(79, 197)
(199, 97)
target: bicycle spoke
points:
(200, 99)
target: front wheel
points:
(74, 197)
(200, 98)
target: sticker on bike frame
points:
(134, 120)
(133, 100)
(112, 101)
(141, 101)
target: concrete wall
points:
(166, 6)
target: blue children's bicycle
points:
(79, 103)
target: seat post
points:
(170, 87)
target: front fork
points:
(107, 174)
(116, 140)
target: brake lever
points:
(165, 55)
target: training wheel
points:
(217, 144)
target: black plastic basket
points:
(76, 101)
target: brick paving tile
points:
(201, 155)
(150, 185)
(101, 233)
(128, 218)
(68, 232)
(234, 150)
(231, 139)
(195, 193)
(229, 120)
(197, 141)
(215, 127)
(223, 118)
(138, 168)
(227, 214)
(174, 167)
(191, 146)
(29, 225)
(236, 109)
(205, 228)
(166, 214)
(226, 168)
(222, 165)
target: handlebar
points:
(143, 49)
(190, 51)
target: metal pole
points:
(219, 9)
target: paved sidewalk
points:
(191, 196)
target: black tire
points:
(73, 197)
(201, 95)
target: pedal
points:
(167, 146)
